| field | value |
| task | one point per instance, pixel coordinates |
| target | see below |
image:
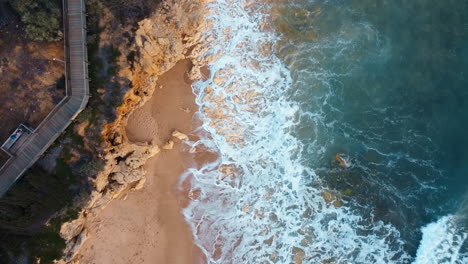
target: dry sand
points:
(146, 226)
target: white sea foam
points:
(442, 242)
(270, 209)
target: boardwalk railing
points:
(76, 98)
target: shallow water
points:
(381, 82)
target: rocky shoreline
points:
(173, 33)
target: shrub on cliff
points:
(42, 18)
(25, 210)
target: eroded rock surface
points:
(179, 135)
(70, 230)
(169, 145)
(173, 33)
(74, 245)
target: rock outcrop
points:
(179, 135)
(174, 32)
(74, 245)
(169, 145)
(72, 229)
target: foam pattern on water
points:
(442, 243)
(262, 205)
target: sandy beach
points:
(146, 226)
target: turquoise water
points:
(389, 81)
(382, 82)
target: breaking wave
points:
(259, 202)
(443, 242)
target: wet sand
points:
(146, 226)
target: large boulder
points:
(179, 135)
(128, 176)
(169, 145)
(70, 230)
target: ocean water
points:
(298, 84)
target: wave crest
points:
(258, 203)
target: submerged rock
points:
(331, 198)
(343, 160)
(298, 255)
(246, 208)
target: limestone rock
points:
(70, 230)
(337, 203)
(331, 198)
(195, 194)
(179, 135)
(100, 203)
(140, 184)
(118, 177)
(151, 49)
(94, 197)
(169, 145)
(121, 167)
(135, 162)
(246, 208)
(101, 181)
(273, 256)
(74, 245)
(129, 176)
(116, 139)
(140, 155)
(160, 40)
(164, 41)
(124, 174)
(298, 255)
(328, 196)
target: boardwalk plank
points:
(77, 97)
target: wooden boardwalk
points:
(74, 102)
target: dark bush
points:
(60, 85)
(25, 207)
(42, 18)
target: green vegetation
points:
(5, 61)
(32, 212)
(42, 18)
(103, 70)
(26, 227)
